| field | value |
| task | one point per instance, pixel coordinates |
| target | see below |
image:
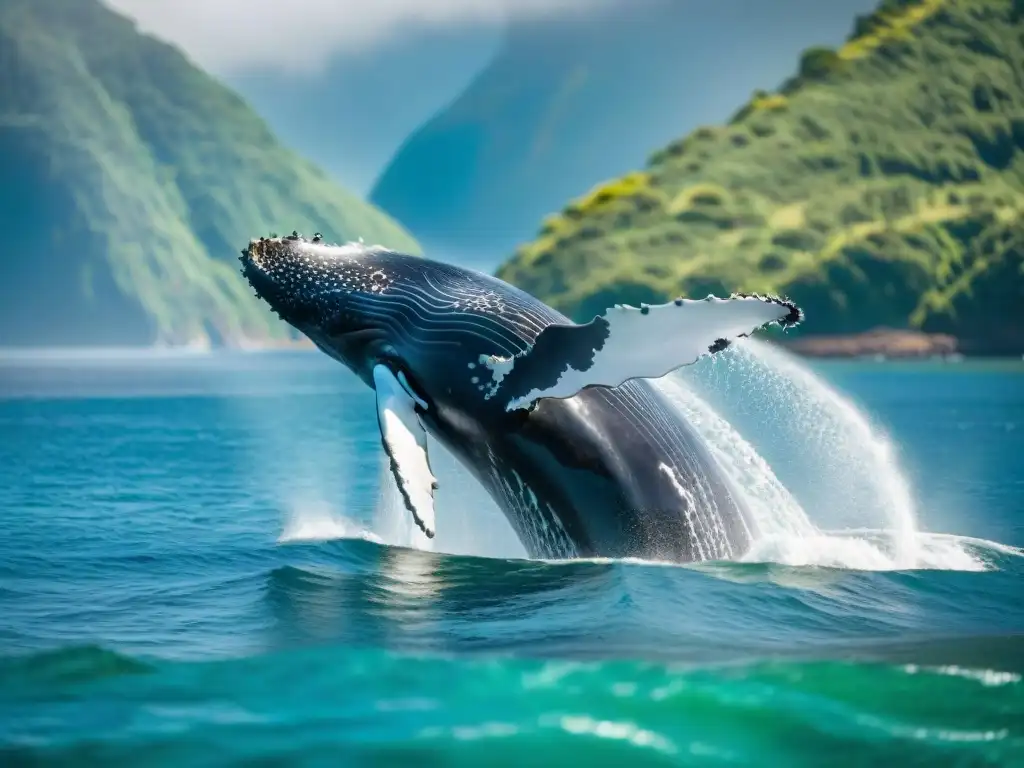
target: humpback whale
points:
(557, 420)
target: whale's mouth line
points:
(257, 250)
(258, 273)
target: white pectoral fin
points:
(630, 343)
(406, 444)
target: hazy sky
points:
(345, 82)
(230, 36)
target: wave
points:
(68, 666)
(315, 589)
(312, 520)
(315, 704)
(860, 549)
(357, 592)
(868, 550)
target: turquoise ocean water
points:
(202, 563)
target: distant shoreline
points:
(877, 343)
(885, 343)
(881, 344)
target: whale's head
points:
(334, 294)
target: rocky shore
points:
(878, 342)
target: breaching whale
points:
(555, 419)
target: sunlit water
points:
(205, 562)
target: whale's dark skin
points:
(605, 473)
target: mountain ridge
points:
(882, 185)
(133, 179)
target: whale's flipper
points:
(406, 444)
(629, 343)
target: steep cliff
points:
(128, 181)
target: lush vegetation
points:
(882, 185)
(130, 181)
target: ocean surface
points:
(203, 562)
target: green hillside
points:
(881, 185)
(129, 179)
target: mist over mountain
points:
(352, 116)
(570, 101)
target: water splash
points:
(830, 454)
(315, 520)
(775, 512)
(781, 531)
(862, 447)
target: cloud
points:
(302, 35)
